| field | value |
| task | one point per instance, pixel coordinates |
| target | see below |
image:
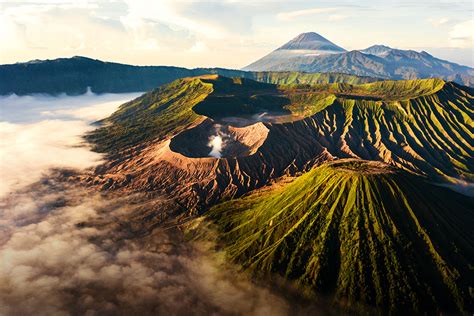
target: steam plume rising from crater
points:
(216, 143)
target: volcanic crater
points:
(201, 140)
(235, 120)
(356, 164)
(210, 139)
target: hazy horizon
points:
(229, 34)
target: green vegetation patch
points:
(292, 78)
(154, 115)
(360, 231)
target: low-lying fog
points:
(53, 264)
(41, 132)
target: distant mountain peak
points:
(311, 41)
(377, 50)
(379, 46)
(310, 36)
(311, 52)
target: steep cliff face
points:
(361, 231)
(162, 144)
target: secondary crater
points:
(240, 102)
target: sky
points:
(226, 33)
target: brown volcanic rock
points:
(428, 132)
(236, 141)
(198, 182)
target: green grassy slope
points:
(154, 115)
(386, 90)
(426, 127)
(362, 232)
(292, 77)
(313, 98)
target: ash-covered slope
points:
(376, 61)
(362, 232)
(202, 139)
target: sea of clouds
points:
(53, 263)
(40, 132)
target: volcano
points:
(364, 158)
(305, 46)
(313, 42)
(422, 126)
(311, 52)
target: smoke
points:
(217, 142)
(266, 117)
(259, 117)
(63, 249)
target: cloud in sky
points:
(288, 16)
(438, 21)
(235, 33)
(171, 13)
(337, 17)
(462, 34)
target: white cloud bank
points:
(40, 132)
(27, 151)
(50, 266)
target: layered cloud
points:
(287, 16)
(28, 150)
(51, 265)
